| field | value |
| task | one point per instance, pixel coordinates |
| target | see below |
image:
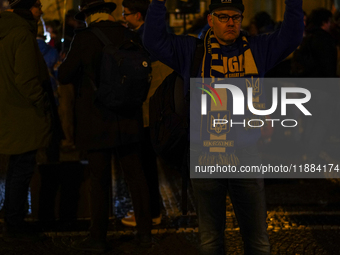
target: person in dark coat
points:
(134, 14)
(317, 58)
(25, 112)
(318, 47)
(103, 132)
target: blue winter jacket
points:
(177, 51)
(268, 49)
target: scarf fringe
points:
(210, 159)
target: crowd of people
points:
(48, 100)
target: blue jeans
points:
(248, 198)
(19, 173)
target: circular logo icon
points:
(145, 64)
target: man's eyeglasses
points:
(224, 18)
(127, 14)
(37, 5)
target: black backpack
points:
(125, 73)
(169, 109)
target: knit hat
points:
(21, 4)
(86, 5)
(237, 4)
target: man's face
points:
(36, 10)
(130, 18)
(225, 32)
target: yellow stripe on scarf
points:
(213, 53)
(249, 62)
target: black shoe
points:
(90, 244)
(22, 234)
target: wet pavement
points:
(303, 218)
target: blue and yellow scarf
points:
(216, 67)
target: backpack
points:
(169, 109)
(125, 73)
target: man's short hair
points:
(319, 16)
(137, 6)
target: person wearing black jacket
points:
(317, 55)
(317, 58)
(101, 131)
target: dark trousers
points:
(130, 160)
(151, 174)
(19, 173)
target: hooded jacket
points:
(25, 118)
